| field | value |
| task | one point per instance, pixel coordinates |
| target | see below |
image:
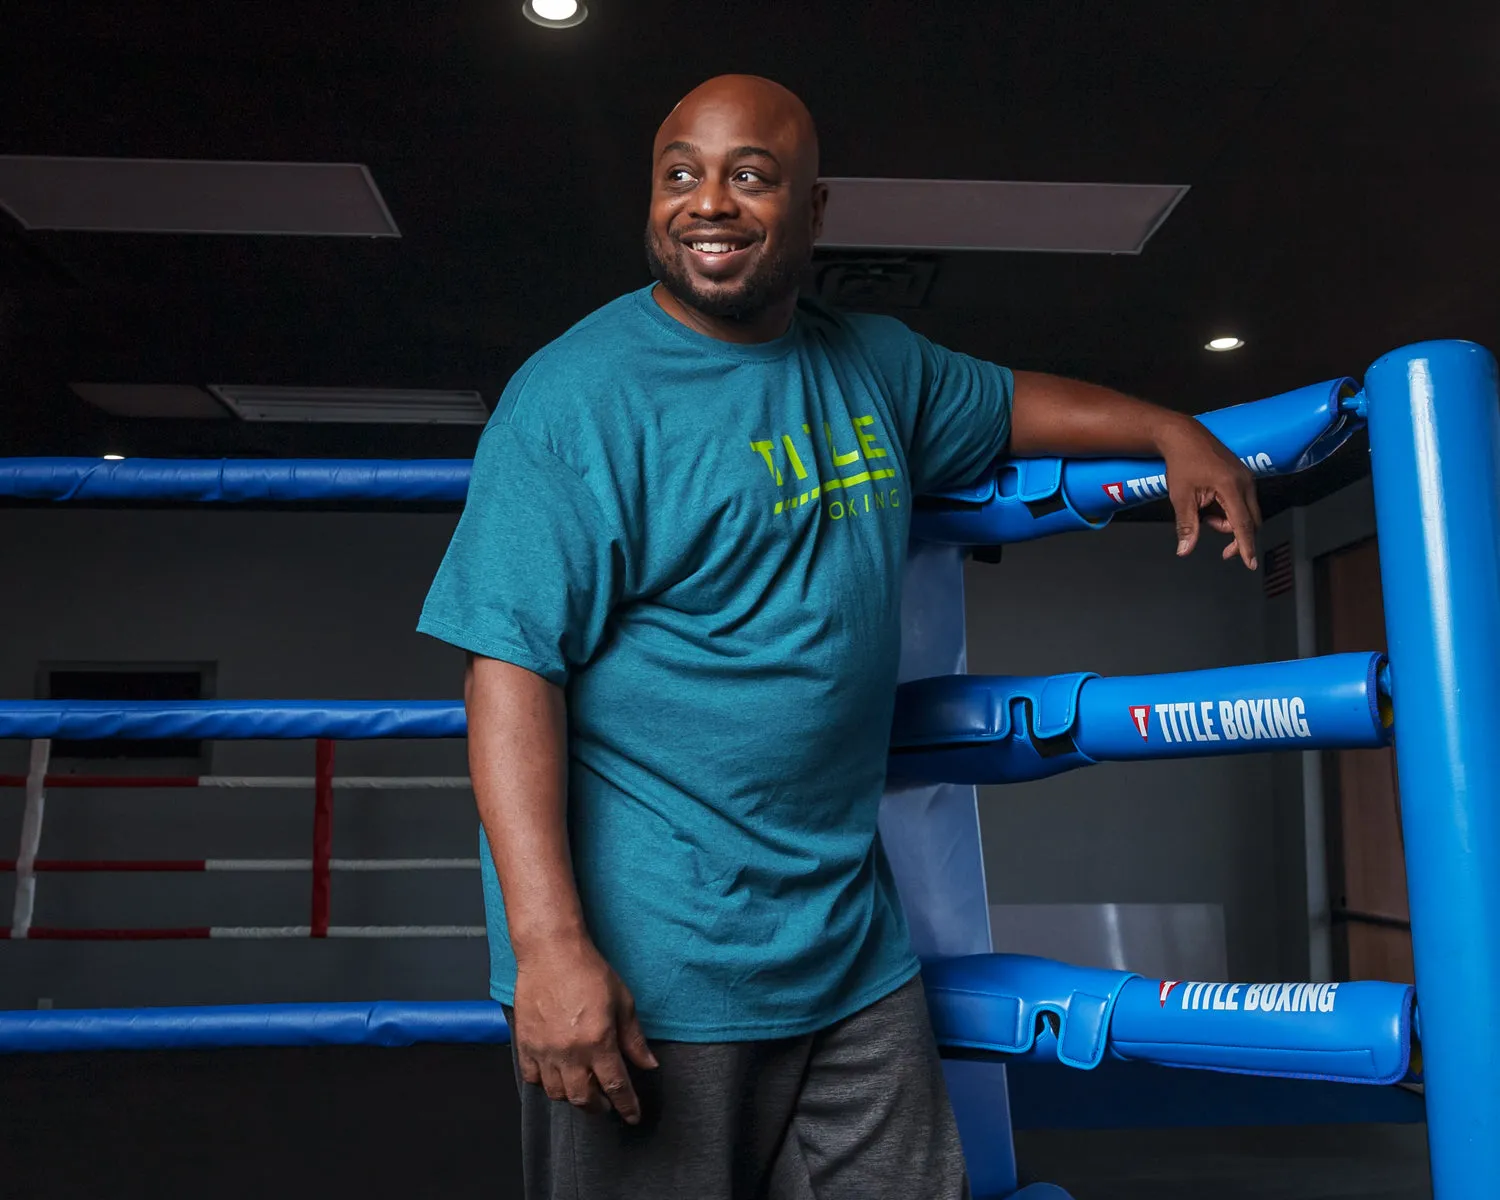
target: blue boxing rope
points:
(235, 481)
(232, 719)
(1357, 1033)
(1025, 498)
(382, 1023)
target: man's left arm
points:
(1055, 416)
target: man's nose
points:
(714, 199)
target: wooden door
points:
(1367, 866)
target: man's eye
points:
(748, 177)
(679, 175)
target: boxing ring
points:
(1005, 1022)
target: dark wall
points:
(289, 605)
(284, 605)
(1200, 831)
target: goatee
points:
(773, 279)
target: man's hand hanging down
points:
(575, 1022)
(1202, 472)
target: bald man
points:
(678, 578)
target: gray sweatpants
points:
(857, 1111)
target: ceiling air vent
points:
(959, 214)
(354, 406)
(891, 282)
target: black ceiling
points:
(1343, 156)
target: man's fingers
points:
(1220, 524)
(578, 1082)
(1185, 505)
(531, 1071)
(619, 1092)
(552, 1082)
(632, 1040)
(1240, 522)
(1241, 517)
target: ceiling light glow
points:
(555, 14)
(1221, 344)
(114, 458)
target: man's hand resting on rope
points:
(1056, 416)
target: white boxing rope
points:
(31, 838)
(272, 932)
(404, 864)
(374, 782)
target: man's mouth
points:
(716, 251)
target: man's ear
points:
(819, 207)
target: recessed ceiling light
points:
(555, 14)
(114, 458)
(1221, 344)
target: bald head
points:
(736, 206)
(752, 101)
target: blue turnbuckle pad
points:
(1332, 702)
(1357, 1032)
(997, 1002)
(988, 729)
(1023, 1006)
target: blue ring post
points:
(1434, 415)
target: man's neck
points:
(765, 326)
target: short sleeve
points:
(534, 567)
(956, 407)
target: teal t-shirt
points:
(704, 544)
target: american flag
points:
(1278, 568)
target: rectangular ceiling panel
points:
(121, 195)
(957, 214)
(168, 400)
(360, 406)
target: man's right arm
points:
(574, 1017)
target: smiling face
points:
(735, 205)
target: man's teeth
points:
(713, 247)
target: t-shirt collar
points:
(742, 351)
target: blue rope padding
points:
(383, 1023)
(345, 719)
(235, 481)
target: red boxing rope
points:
(321, 866)
(322, 879)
